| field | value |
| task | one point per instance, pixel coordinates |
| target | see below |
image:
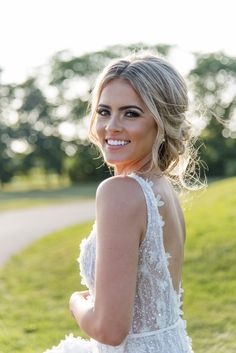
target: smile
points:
(111, 142)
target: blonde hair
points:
(164, 92)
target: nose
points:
(113, 124)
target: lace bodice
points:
(156, 322)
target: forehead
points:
(120, 90)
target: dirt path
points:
(19, 228)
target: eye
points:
(102, 112)
(132, 114)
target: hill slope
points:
(35, 285)
(210, 268)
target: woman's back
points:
(174, 229)
(156, 298)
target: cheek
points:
(99, 128)
(144, 132)
(137, 132)
(149, 136)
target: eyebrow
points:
(122, 108)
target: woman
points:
(132, 260)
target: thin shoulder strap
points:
(155, 222)
(154, 219)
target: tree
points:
(7, 163)
(213, 83)
(54, 96)
(7, 167)
(87, 165)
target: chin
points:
(113, 161)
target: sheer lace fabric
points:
(157, 326)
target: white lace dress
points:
(157, 325)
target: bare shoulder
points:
(120, 189)
(119, 200)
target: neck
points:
(142, 168)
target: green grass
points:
(35, 285)
(36, 189)
(12, 199)
(210, 268)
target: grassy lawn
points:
(35, 285)
(12, 199)
(210, 268)
(36, 189)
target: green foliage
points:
(87, 165)
(7, 165)
(40, 109)
(213, 83)
(35, 285)
(65, 66)
(33, 113)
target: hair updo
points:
(164, 92)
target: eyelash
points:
(133, 113)
(101, 111)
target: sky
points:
(31, 31)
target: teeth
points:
(117, 142)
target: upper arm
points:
(119, 217)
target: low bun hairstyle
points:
(164, 92)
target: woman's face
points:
(125, 128)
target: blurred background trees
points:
(213, 83)
(44, 121)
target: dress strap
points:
(155, 225)
(154, 219)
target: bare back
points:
(174, 229)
